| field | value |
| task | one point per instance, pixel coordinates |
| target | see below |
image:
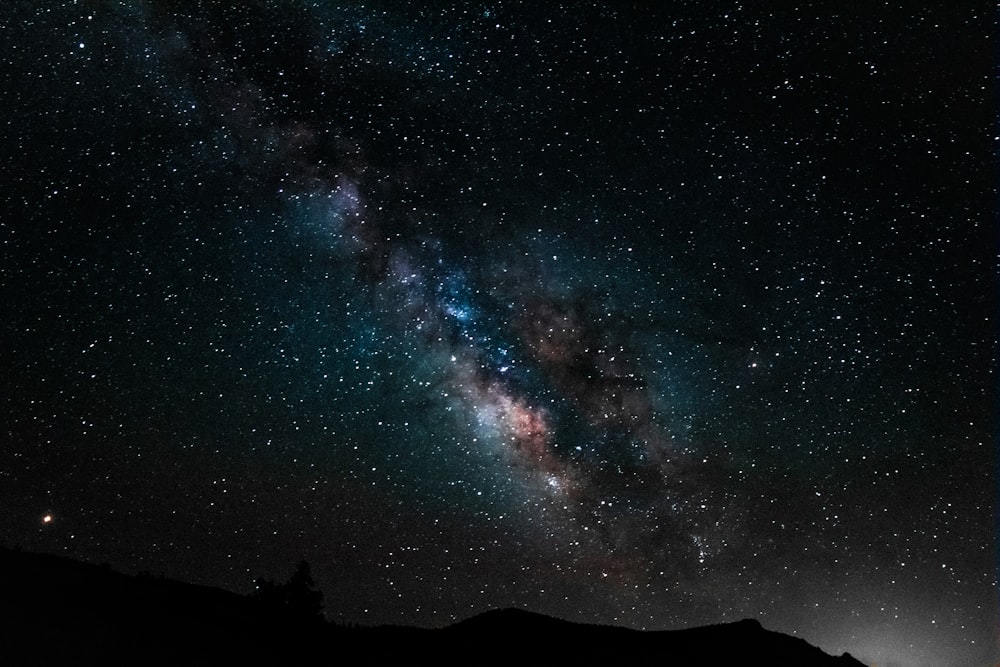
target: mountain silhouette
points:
(55, 610)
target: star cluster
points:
(655, 317)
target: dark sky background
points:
(656, 317)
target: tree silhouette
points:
(303, 600)
(295, 600)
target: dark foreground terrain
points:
(58, 611)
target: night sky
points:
(657, 318)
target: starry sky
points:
(654, 317)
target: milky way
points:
(648, 317)
(503, 351)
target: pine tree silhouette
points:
(295, 600)
(303, 600)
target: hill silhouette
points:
(56, 610)
(555, 641)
